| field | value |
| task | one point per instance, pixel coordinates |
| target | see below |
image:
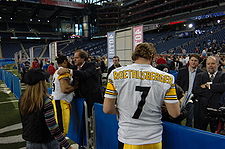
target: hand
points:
(72, 147)
(203, 85)
(63, 71)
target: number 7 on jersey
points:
(141, 103)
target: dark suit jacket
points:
(89, 84)
(183, 78)
(209, 97)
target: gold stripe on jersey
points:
(143, 75)
(110, 89)
(145, 146)
(171, 93)
(66, 75)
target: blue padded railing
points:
(12, 82)
(174, 136)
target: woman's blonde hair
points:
(144, 50)
(33, 97)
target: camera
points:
(219, 115)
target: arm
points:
(199, 87)
(173, 109)
(110, 97)
(65, 86)
(222, 62)
(171, 102)
(90, 71)
(109, 106)
(219, 87)
(53, 126)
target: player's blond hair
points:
(144, 50)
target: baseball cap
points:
(33, 76)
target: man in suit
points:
(208, 88)
(116, 64)
(185, 79)
(89, 86)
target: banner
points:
(110, 47)
(137, 35)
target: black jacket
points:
(35, 128)
(209, 97)
(89, 86)
(183, 78)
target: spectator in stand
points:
(45, 67)
(161, 60)
(183, 60)
(102, 65)
(185, 79)
(41, 63)
(204, 53)
(116, 64)
(51, 69)
(25, 67)
(222, 61)
(40, 129)
(35, 64)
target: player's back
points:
(141, 89)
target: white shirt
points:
(56, 91)
(130, 85)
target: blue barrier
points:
(12, 82)
(174, 136)
(77, 130)
(1, 71)
(16, 87)
(181, 137)
(3, 75)
(106, 127)
(4, 62)
(8, 80)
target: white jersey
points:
(140, 90)
(56, 91)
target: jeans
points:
(50, 145)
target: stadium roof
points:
(23, 12)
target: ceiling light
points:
(190, 25)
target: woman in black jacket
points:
(40, 129)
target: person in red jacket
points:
(51, 69)
(161, 60)
(35, 64)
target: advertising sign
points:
(137, 35)
(110, 47)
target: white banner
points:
(137, 35)
(110, 47)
